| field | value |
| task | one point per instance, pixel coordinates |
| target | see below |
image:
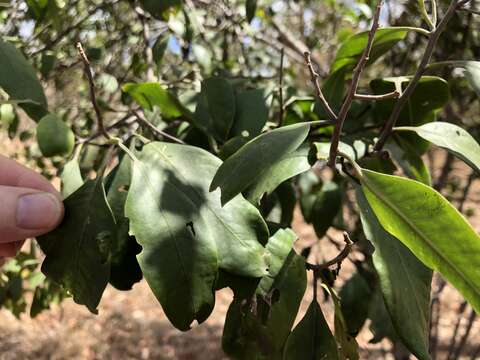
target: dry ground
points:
(132, 325)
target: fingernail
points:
(38, 211)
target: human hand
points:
(29, 206)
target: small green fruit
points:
(54, 137)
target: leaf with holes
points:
(78, 251)
(185, 233)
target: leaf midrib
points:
(367, 183)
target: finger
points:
(27, 213)
(14, 174)
(10, 249)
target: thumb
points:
(27, 213)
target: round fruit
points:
(54, 137)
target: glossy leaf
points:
(20, 82)
(185, 232)
(78, 251)
(311, 339)
(452, 138)
(352, 48)
(71, 178)
(429, 226)
(150, 95)
(255, 160)
(429, 96)
(400, 273)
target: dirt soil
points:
(132, 325)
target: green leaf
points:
(161, 9)
(277, 249)
(429, 96)
(160, 47)
(452, 138)
(250, 9)
(311, 339)
(472, 71)
(150, 95)
(381, 324)
(124, 268)
(215, 110)
(347, 345)
(20, 82)
(352, 48)
(410, 162)
(256, 159)
(253, 332)
(355, 298)
(400, 273)
(326, 207)
(251, 113)
(429, 226)
(71, 178)
(185, 232)
(78, 251)
(284, 168)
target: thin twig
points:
(459, 316)
(468, 329)
(314, 77)
(337, 260)
(143, 121)
(402, 101)
(472, 11)
(280, 90)
(124, 121)
(392, 95)
(353, 86)
(72, 27)
(93, 98)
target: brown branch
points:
(314, 77)
(337, 260)
(393, 95)
(353, 87)
(402, 101)
(93, 98)
(156, 131)
(124, 121)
